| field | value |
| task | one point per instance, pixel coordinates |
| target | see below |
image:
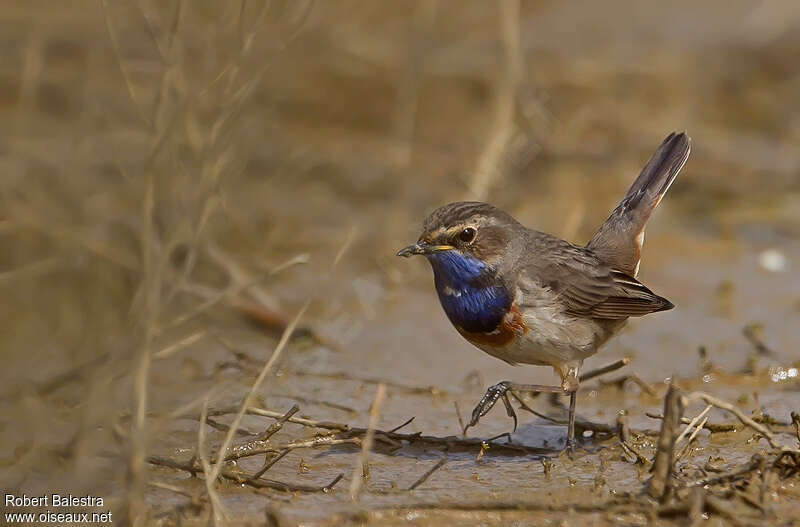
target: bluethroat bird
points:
(525, 296)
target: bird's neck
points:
(471, 293)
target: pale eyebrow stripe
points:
(458, 228)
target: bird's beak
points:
(421, 248)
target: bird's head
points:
(466, 231)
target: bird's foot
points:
(570, 446)
(487, 402)
(501, 390)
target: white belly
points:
(554, 339)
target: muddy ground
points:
(179, 179)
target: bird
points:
(528, 297)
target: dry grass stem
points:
(490, 162)
(256, 385)
(150, 290)
(348, 242)
(217, 509)
(182, 344)
(40, 267)
(460, 418)
(361, 470)
(171, 488)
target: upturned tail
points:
(619, 241)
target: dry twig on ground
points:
(663, 465)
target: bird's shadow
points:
(531, 440)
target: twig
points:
(361, 470)
(751, 333)
(243, 478)
(711, 427)
(268, 465)
(660, 483)
(405, 423)
(428, 473)
(264, 437)
(722, 405)
(692, 423)
(624, 432)
(755, 462)
(328, 425)
(277, 425)
(555, 400)
(257, 446)
(605, 369)
(543, 505)
(642, 384)
(623, 428)
(630, 450)
(691, 438)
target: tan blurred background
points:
(149, 148)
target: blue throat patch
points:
(471, 296)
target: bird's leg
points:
(500, 391)
(570, 444)
(569, 383)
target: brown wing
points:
(630, 299)
(588, 287)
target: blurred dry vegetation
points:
(166, 167)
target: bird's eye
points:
(467, 235)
